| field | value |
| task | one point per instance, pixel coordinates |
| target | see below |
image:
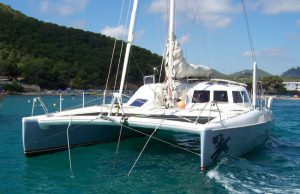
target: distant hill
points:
(292, 72)
(58, 57)
(217, 74)
(247, 73)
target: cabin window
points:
(200, 96)
(220, 96)
(245, 97)
(138, 102)
(237, 97)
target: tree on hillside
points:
(55, 56)
(273, 85)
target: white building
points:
(291, 86)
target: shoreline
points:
(100, 94)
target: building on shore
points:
(292, 86)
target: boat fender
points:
(269, 102)
(181, 104)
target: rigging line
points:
(197, 11)
(59, 133)
(118, 67)
(249, 32)
(121, 52)
(137, 65)
(202, 32)
(163, 59)
(186, 119)
(142, 151)
(161, 65)
(137, 131)
(162, 47)
(144, 147)
(160, 34)
(130, 128)
(140, 69)
(185, 24)
(118, 145)
(112, 55)
(163, 141)
(69, 150)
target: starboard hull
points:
(235, 141)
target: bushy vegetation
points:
(13, 87)
(270, 85)
(55, 57)
(273, 85)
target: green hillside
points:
(58, 57)
(247, 74)
(217, 74)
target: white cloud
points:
(114, 31)
(293, 36)
(158, 6)
(249, 53)
(270, 52)
(44, 6)
(212, 13)
(184, 39)
(120, 32)
(63, 7)
(279, 6)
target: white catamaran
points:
(220, 112)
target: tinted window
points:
(138, 102)
(245, 96)
(220, 96)
(200, 96)
(149, 79)
(237, 97)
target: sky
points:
(211, 32)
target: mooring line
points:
(142, 151)
(69, 150)
(118, 145)
(158, 139)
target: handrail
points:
(46, 111)
(201, 112)
(218, 110)
(42, 104)
(210, 109)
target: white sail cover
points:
(181, 68)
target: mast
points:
(254, 84)
(129, 43)
(170, 50)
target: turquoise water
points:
(275, 168)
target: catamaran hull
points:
(229, 137)
(216, 143)
(39, 139)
